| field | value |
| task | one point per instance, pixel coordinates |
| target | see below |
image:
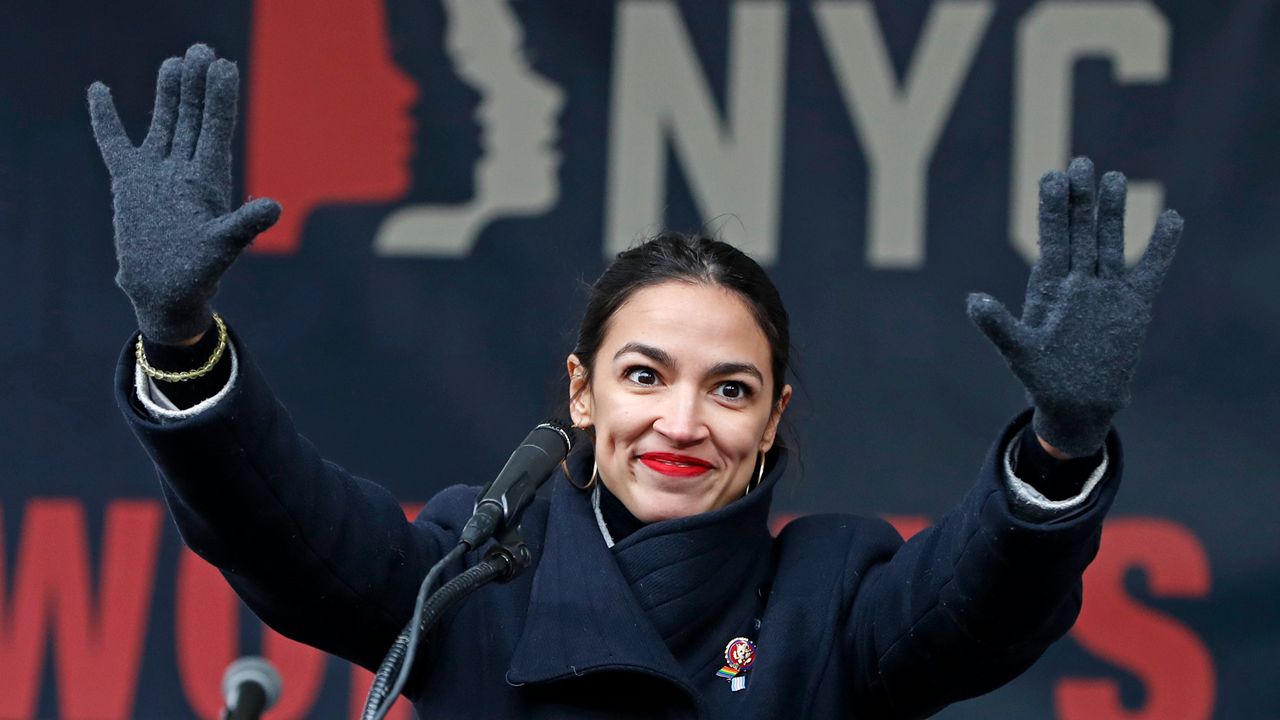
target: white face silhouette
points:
(518, 110)
(518, 114)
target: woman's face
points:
(680, 399)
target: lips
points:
(675, 465)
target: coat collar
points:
(592, 608)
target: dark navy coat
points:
(853, 623)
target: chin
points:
(656, 505)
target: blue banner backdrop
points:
(451, 170)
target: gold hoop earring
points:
(755, 483)
(595, 474)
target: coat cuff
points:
(1028, 503)
(162, 409)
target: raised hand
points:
(175, 231)
(1084, 318)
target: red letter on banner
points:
(908, 525)
(208, 635)
(1166, 656)
(207, 632)
(97, 640)
(361, 679)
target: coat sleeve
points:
(321, 556)
(970, 603)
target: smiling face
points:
(680, 399)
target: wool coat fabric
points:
(852, 622)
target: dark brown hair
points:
(688, 258)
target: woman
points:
(656, 590)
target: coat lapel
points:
(594, 609)
(583, 616)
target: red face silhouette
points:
(328, 111)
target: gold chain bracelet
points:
(141, 355)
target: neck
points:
(618, 521)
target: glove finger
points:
(168, 87)
(221, 89)
(1149, 273)
(1111, 195)
(1084, 235)
(1055, 247)
(109, 132)
(190, 107)
(998, 324)
(240, 227)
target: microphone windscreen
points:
(562, 429)
(251, 668)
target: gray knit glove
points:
(175, 232)
(1085, 315)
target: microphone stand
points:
(506, 560)
(498, 506)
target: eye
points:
(642, 376)
(733, 390)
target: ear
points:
(580, 400)
(771, 430)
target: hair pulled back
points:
(674, 256)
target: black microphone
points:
(250, 686)
(501, 502)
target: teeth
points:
(679, 464)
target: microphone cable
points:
(498, 507)
(400, 657)
(500, 564)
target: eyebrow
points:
(656, 354)
(662, 357)
(733, 368)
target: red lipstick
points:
(676, 465)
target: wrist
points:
(189, 342)
(179, 328)
(1066, 436)
(1057, 479)
(170, 363)
(176, 357)
(1052, 451)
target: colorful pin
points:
(739, 656)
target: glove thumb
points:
(107, 128)
(995, 321)
(241, 226)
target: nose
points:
(681, 420)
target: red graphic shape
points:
(328, 111)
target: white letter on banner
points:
(1050, 40)
(660, 93)
(899, 124)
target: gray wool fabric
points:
(175, 231)
(1084, 317)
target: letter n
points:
(660, 95)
